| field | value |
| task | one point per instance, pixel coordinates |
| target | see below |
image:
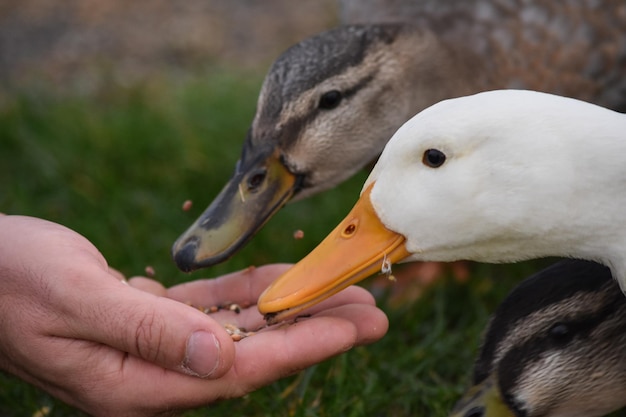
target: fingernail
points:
(203, 354)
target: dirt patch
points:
(58, 41)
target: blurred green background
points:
(112, 114)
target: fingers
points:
(285, 350)
(148, 285)
(268, 356)
(117, 274)
(371, 323)
(73, 291)
(244, 287)
(76, 315)
(156, 329)
(251, 320)
(260, 359)
(238, 287)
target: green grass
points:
(116, 166)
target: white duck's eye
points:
(330, 100)
(433, 158)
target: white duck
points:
(499, 176)
(329, 104)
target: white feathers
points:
(526, 175)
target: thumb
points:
(159, 330)
(69, 283)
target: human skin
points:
(75, 328)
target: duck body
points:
(329, 104)
(499, 176)
(556, 346)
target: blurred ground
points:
(72, 42)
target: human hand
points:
(72, 328)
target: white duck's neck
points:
(585, 196)
(576, 197)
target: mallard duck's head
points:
(555, 347)
(326, 108)
(499, 176)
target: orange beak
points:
(357, 248)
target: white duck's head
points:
(499, 176)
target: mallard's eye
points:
(256, 179)
(330, 100)
(433, 158)
(561, 333)
(475, 412)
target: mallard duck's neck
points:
(431, 69)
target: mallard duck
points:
(499, 176)
(556, 346)
(329, 104)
